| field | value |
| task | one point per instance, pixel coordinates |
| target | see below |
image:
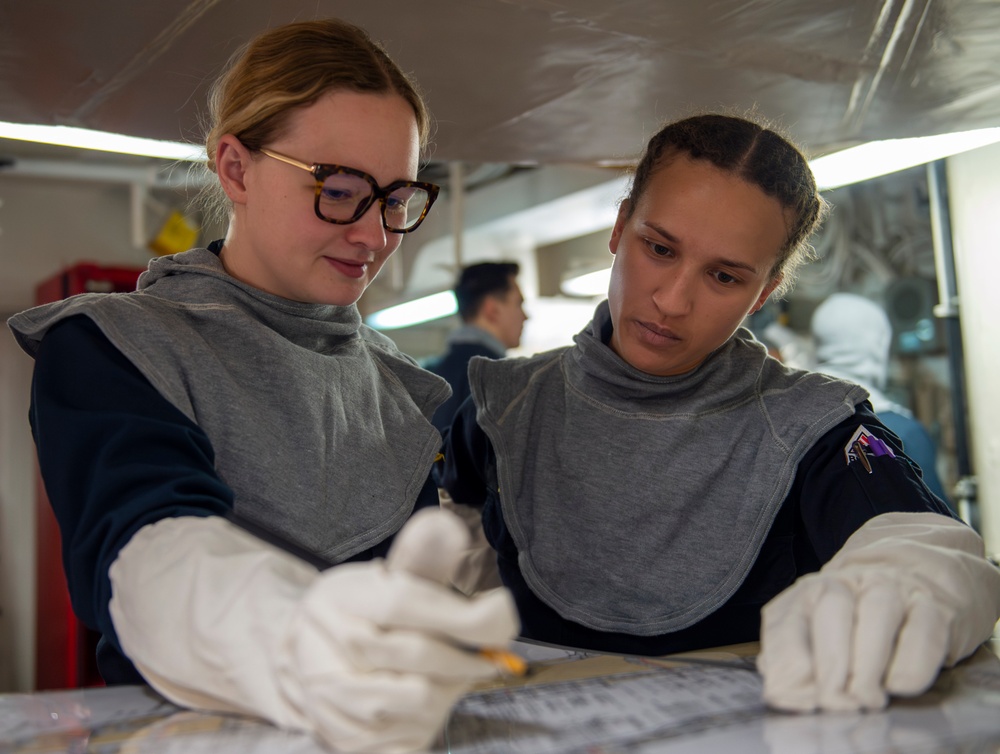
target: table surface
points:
(569, 702)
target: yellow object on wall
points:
(177, 234)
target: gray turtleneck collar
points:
(639, 503)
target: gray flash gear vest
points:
(319, 424)
(639, 503)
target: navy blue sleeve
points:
(114, 456)
(467, 455)
(835, 498)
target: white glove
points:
(365, 655)
(477, 570)
(907, 594)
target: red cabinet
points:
(64, 647)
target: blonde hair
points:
(289, 67)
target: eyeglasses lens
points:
(404, 206)
(343, 194)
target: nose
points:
(674, 293)
(367, 231)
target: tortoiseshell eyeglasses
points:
(344, 194)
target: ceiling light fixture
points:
(841, 168)
(103, 141)
(591, 284)
(878, 158)
(414, 312)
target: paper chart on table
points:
(708, 703)
(608, 711)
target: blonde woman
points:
(239, 383)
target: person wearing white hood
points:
(853, 336)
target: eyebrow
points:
(721, 260)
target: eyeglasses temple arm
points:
(289, 160)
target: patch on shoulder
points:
(864, 444)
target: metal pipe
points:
(456, 181)
(137, 197)
(947, 310)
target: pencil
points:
(509, 662)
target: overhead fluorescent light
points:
(878, 158)
(103, 141)
(414, 312)
(593, 283)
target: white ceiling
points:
(548, 82)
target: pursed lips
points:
(657, 332)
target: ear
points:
(488, 309)
(232, 160)
(768, 290)
(616, 232)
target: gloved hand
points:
(376, 650)
(477, 570)
(367, 656)
(907, 594)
